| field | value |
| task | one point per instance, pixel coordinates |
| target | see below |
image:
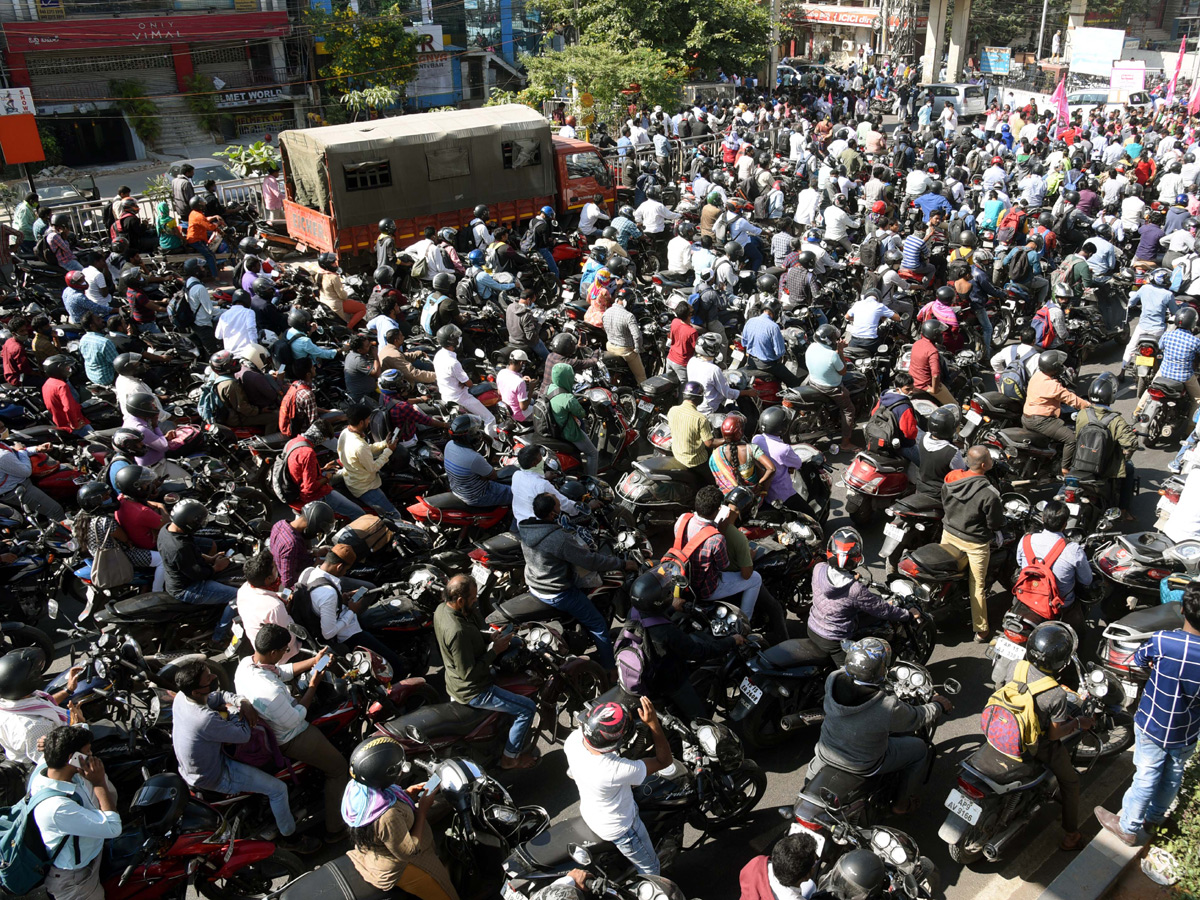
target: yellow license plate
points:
(1144, 361)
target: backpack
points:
(1011, 225)
(748, 187)
(1015, 377)
(420, 266)
(544, 423)
(1035, 586)
(868, 254)
(380, 424)
(24, 859)
(281, 480)
(465, 291)
(365, 535)
(761, 206)
(1019, 270)
(282, 350)
(1062, 275)
(1095, 446)
(180, 311)
(1010, 721)
(302, 610)
(635, 655)
(1043, 328)
(682, 553)
(211, 405)
(882, 431)
(722, 226)
(42, 251)
(464, 240)
(528, 239)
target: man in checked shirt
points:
(1165, 728)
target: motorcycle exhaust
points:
(994, 848)
(802, 719)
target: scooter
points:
(916, 520)
(1124, 637)
(871, 481)
(1166, 414)
(1134, 564)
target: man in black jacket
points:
(972, 515)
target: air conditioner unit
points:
(847, 46)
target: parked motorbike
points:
(916, 521)
(1166, 414)
(1134, 564)
(1124, 637)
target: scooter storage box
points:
(660, 387)
(940, 559)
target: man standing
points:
(182, 191)
(972, 515)
(524, 329)
(468, 652)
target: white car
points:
(968, 100)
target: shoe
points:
(1112, 823)
(299, 843)
(983, 637)
(1174, 468)
(1072, 843)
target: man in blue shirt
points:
(300, 327)
(98, 351)
(1103, 261)
(916, 249)
(763, 340)
(471, 476)
(981, 289)
(1157, 300)
(76, 302)
(1179, 348)
(1166, 725)
(931, 201)
(826, 366)
(993, 208)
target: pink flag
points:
(1194, 100)
(1062, 116)
(1175, 77)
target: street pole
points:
(773, 59)
(1041, 33)
(28, 176)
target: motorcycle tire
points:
(1143, 382)
(931, 884)
(16, 636)
(760, 729)
(921, 647)
(961, 855)
(858, 508)
(1117, 739)
(256, 880)
(1001, 329)
(749, 783)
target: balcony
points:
(260, 77)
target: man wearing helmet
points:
(1180, 347)
(826, 364)
(861, 717)
(56, 240)
(542, 228)
(452, 381)
(1044, 399)
(28, 713)
(333, 294)
(479, 227)
(703, 369)
(763, 341)
(192, 572)
(1157, 301)
(292, 541)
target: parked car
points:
(206, 168)
(969, 100)
(54, 192)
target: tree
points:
(370, 100)
(997, 23)
(604, 72)
(361, 51)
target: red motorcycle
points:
(182, 843)
(451, 518)
(872, 481)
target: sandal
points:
(524, 761)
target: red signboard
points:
(86, 34)
(858, 16)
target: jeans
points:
(679, 371)
(201, 247)
(978, 557)
(754, 254)
(1057, 759)
(523, 708)
(840, 395)
(213, 593)
(1128, 483)
(378, 501)
(312, 747)
(1155, 783)
(206, 337)
(35, 501)
(1057, 430)
(342, 505)
(540, 350)
(732, 583)
(591, 455)
(985, 326)
(548, 256)
(239, 778)
(576, 603)
(637, 847)
(148, 328)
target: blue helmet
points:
(476, 258)
(1181, 200)
(548, 211)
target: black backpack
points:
(281, 480)
(882, 431)
(1095, 447)
(303, 612)
(542, 415)
(748, 187)
(868, 254)
(464, 240)
(1015, 377)
(1019, 269)
(43, 252)
(180, 311)
(465, 291)
(761, 208)
(282, 350)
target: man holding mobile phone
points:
(362, 460)
(262, 679)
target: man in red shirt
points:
(925, 364)
(60, 400)
(683, 341)
(18, 369)
(789, 867)
(304, 470)
(140, 517)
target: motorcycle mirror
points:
(193, 865)
(1112, 513)
(579, 854)
(830, 799)
(951, 687)
(785, 812)
(1040, 506)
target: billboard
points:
(1093, 50)
(995, 60)
(1128, 75)
(435, 66)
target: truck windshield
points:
(588, 165)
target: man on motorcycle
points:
(1180, 347)
(711, 579)
(784, 875)
(703, 370)
(471, 476)
(452, 381)
(861, 717)
(524, 329)
(1071, 569)
(972, 514)
(925, 363)
(692, 437)
(569, 417)
(762, 337)
(1044, 399)
(773, 426)
(28, 713)
(1156, 300)
(192, 573)
(1120, 472)
(826, 363)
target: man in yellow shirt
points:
(362, 460)
(692, 437)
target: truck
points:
(432, 169)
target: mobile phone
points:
(323, 663)
(431, 785)
(395, 435)
(229, 553)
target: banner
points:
(995, 60)
(1194, 101)
(858, 16)
(1062, 115)
(1093, 50)
(435, 65)
(16, 102)
(1178, 66)
(89, 34)
(1127, 75)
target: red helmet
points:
(733, 427)
(845, 549)
(76, 279)
(997, 161)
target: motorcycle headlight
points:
(902, 589)
(504, 815)
(1097, 683)
(101, 668)
(707, 736)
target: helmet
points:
(387, 226)
(142, 405)
(867, 660)
(1185, 319)
(1181, 199)
(774, 421)
(650, 593)
(481, 212)
(1046, 221)
(693, 390)
(807, 259)
(465, 425)
(1050, 647)
(663, 888)
(827, 334)
(968, 239)
(318, 516)
(477, 258)
(188, 514)
(443, 282)
(943, 423)
(96, 496)
(1103, 389)
(709, 345)
(76, 279)
(127, 363)
(686, 230)
(449, 336)
(1062, 291)
(768, 284)
(859, 875)
(224, 363)
(845, 549)
(131, 276)
(619, 266)
(600, 255)
(120, 246)
(378, 762)
(997, 161)
(136, 481)
(298, 318)
(61, 220)
(813, 236)
(606, 726)
(1191, 223)
(932, 328)
(327, 261)
(564, 344)
(1051, 362)
(945, 294)
(547, 211)
(1160, 278)
(385, 275)
(893, 258)
(194, 265)
(626, 211)
(982, 257)
(128, 441)
(265, 288)
(21, 672)
(448, 234)
(1133, 190)
(733, 428)
(1102, 230)
(1071, 196)
(734, 250)
(741, 498)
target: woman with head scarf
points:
(170, 238)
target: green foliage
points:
(141, 112)
(157, 188)
(258, 158)
(602, 72)
(50, 147)
(202, 101)
(363, 50)
(1181, 835)
(11, 195)
(372, 99)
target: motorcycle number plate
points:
(480, 574)
(750, 691)
(645, 406)
(895, 532)
(963, 807)
(797, 828)
(1130, 689)
(1009, 650)
(737, 356)
(973, 417)
(1144, 361)
(1165, 505)
(1073, 508)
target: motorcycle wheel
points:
(858, 508)
(761, 729)
(749, 783)
(931, 883)
(1143, 382)
(1153, 436)
(924, 639)
(961, 855)
(256, 880)
(18, 637)
(1117, 739)
(1001, 329)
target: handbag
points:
(111, 568)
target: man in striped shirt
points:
(916, 248)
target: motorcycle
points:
(871, 480)
(916, 521)
(1166, 415)
(1147, 357)
(1134, 564)
(988, 412)
(1124, 637)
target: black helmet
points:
(650, 593)
(1050, 647)
(893, 258)
(378, 762)
(1133, 189)
(137, 482)
(481, 212)
(327, 261)
(1046, 220)
(1102, 230)
(606, 725)
(387, 226)
(600, 254)
(768, 284)
(827, 334)
(443, 282)
(449, 336)
(1185, 319)
(21, 672)
(1071, 197)
(845, 549)
(1103, 389)
(188, 515)
(867, 661)
(859, 875)
(142, 405)
(943, 423)
(946, 294)
(626, 211)
(932, 328)
(265, 288)
(740, 498)
(298, 318)
(128, 364)
(319, 518)
(1051, 362)
(61, 219)
(694, 390)
(686, 230)
(564, 344)
(193, 266)
(129, 441)
(131, 276)
(385, 275)
(390, 380)
(249, 245)
(96, 496)
(618, 266)
(465, 426)
(224, 363)
(808, 259)
(734, 250)
(968, 239)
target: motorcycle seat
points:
(673, 281)
(804, 393)
(155, 605)
(448, 500)
(335, 880)
(840, 783)
(921, 503)
(440, 719)
(1023, 439)
(550, 443)
(940, 559)
(995, 766)
(503, 548)
(520, 608)
(914, 277)
(885, 465)
(549, 848)
(997, 403)
(1165, 617)
(855, 352)
(1147, 547)
(613, 361)
(664, 468)
(1172, 389)
(794, 652)
(756, 374)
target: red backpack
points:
(1036, 587)
(682, 553)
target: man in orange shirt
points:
(199, 229)
(1044, 398)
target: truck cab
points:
(583, 177)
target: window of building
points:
(367, 176)
(521, 153)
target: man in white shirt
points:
(531, 480)
(1024, 349)
(453, 383)
(262, 679)
(590, 218)
(97, 281)
(864, 318)
(701, 368)
(653, 217)
(679, 251)
(259, 603)
(28, 713)
(838, 223)
(1131, 212)
(237, 330)
(808, 205)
